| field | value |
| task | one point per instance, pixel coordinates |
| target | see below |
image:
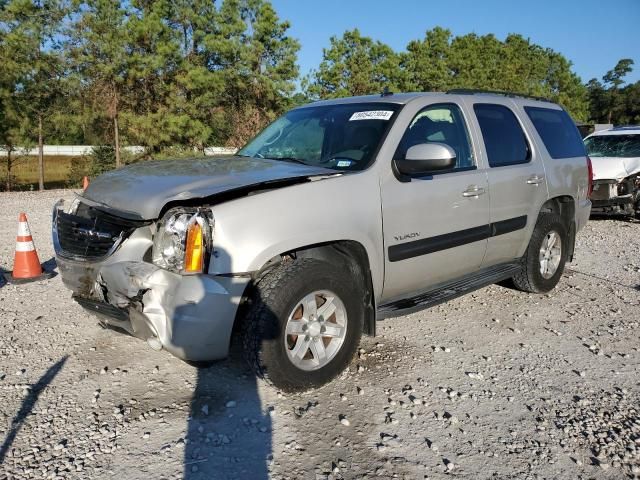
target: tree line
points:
(197, 73)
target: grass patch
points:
(25, 170)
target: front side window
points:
(558, 132)
(442, 123)
(340, 137)
(504, 139)
(623, 146)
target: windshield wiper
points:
(290, 159)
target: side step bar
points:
(447, 291)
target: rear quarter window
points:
(558, 132)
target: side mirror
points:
(426, 158)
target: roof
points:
(397, 98)
(622, 130)
(404, 98)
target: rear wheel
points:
(303, 325)
(546, 255)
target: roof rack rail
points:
(473, 91)
(626, 127)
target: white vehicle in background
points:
(615, 157)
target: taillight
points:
(590, 179)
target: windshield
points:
(625, 146)
(340, 137)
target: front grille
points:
(90, 233)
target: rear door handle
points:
(535, 179)
(473, 191)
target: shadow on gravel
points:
(608, 280)
(50, 265)
(229, 433)
(618, 217)
(28, 404)
(229, 430)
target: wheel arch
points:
(342, 252)
(565, 207)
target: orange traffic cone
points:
(85, 182)
(26, 265)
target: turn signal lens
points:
(194, 252)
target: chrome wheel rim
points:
(315, 330)
(550, 254)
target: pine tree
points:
(99, 55)
(427, 62)
(33, 65)
(614, 78)
(356, 65)
(257, 61)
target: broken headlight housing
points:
(182, 242)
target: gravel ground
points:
(497, 384)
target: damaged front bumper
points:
(191, 316)
(614, 197)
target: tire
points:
(277, 302)
(531, 279)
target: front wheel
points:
(303, 325)
(546, 255)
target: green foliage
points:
(615, 77)
(609, 103)
(31, 71)
(79, 168)
(356, 65)
(181, 72)
(427, 62)
(177, 76)
(101, 160)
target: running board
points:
(448, 291)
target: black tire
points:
(530, 279)
(273, 299)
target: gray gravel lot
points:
(497, 384)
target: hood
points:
(614, 168)
(142, 189)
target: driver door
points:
(435, 226)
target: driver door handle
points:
(473, 191)
(535, 179)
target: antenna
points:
(386, 92)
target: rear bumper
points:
(191, 316)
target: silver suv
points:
(338, 214)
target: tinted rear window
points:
(558, 132)
(504, 139)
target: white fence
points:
(220, 151)
(79, 150)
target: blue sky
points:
(593, 34)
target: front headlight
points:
(182, 242)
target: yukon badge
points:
(399, 238)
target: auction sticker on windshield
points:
(372, 115)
